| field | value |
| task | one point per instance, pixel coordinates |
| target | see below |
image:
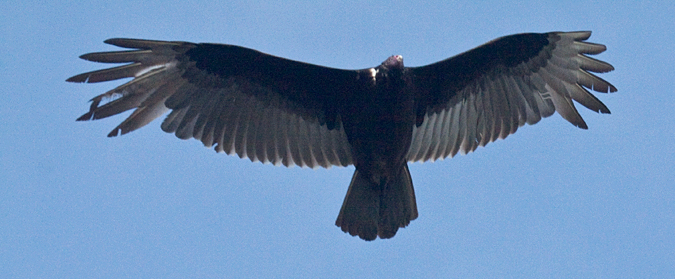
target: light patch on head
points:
(373, 74)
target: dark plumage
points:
(271, 109)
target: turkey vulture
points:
(278, 111)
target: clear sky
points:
(549, 201)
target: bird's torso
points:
(379, 120)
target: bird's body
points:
(271, 109)
(381, 195)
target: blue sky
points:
(549, 201)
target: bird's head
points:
(393, 62)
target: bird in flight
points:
(284, 112)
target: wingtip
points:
(127, 43)
(115, 41)
(612, 89)
(81, 78)
(85, 117)
(577, 35)
(114, 133)
(138, 43)
(91, 56)
(84, 56)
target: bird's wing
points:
(487, 93)
(259, 106)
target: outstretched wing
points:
(486, 93)
(259, 106)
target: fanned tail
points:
(370, 210)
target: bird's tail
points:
(370, 210)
